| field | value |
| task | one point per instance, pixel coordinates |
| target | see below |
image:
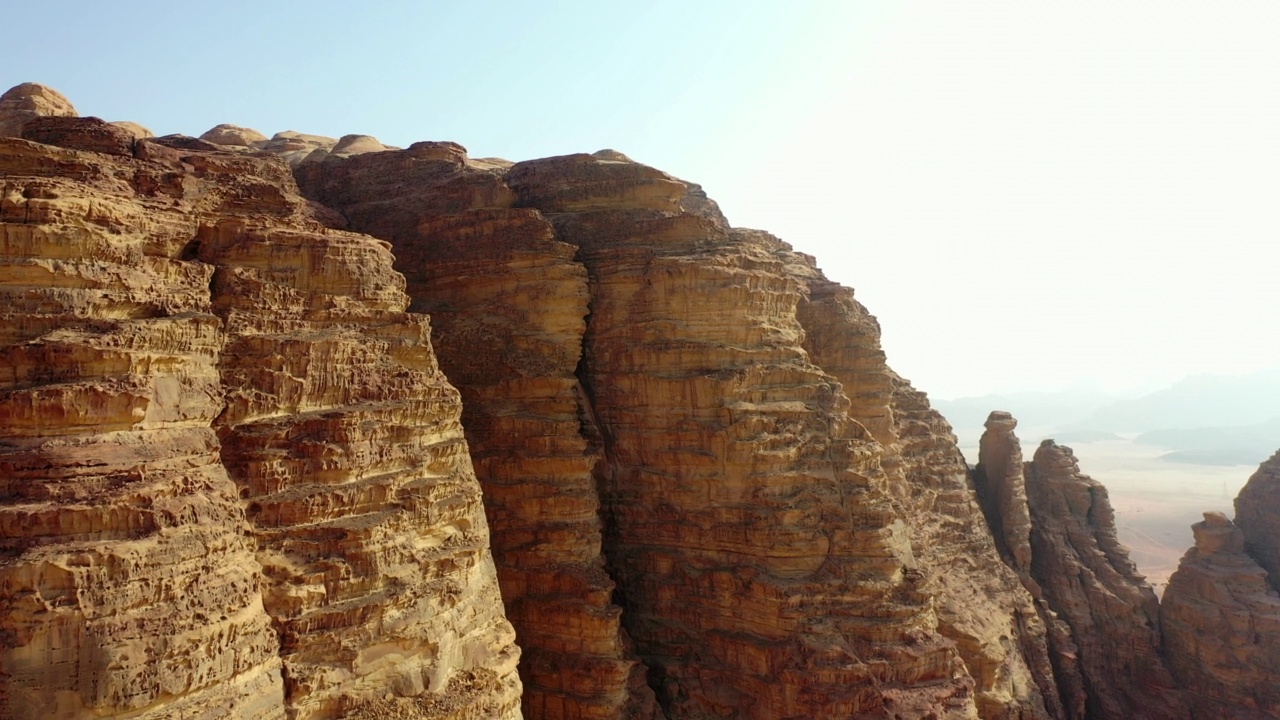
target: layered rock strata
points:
(236, 482)
(1088, 579)
(128, 581)
(508, 305)
(1221, 625)
(157, 295)
(981, 605)
(764, 569)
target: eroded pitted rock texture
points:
(764, 569)
(1088, 579)
(128, 583)
(1221, 625)
(1002, 631)
(153, 297)
(980, 603)
(508, 306)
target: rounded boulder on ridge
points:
(28, 101)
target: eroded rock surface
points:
(25, 102)
(1089, 580)
(1221, 625)
(764, 569)
(172, 315)
(128, 580)
(1002, 489)
(508, 304)
(236, 483)
(1258, 515)
(981, 604)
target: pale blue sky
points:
(1027, 194)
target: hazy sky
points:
(1027, 194)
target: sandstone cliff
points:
(235, 480)
(238, 480)
(1221, 624)
(682, 406)
(509, 307)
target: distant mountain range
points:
(1243, 445)
(1206, 419)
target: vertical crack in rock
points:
(128, 585)
(346, 442)
(1088, 579)
(765, 570)
(508, 302)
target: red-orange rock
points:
(1088, 579)
(149, 301)
(508, 305)
(764, 569)
(22, 103)
(1258, 515)
(1221, 625)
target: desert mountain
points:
(302, 427)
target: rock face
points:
(1088, 579)
(194, 363)
(763, 568)
(984, 605)
(128, 584)
(1258, 515)
(28, 101)
(981, 604)
(1221, 624)
(508, 305)
(236, 483)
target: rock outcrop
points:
(1002, 490)
(981, 604)
(1258, 515)
(508, 306)
(1221, 625)
(235, 480)
(28, 101)
(763, 568)
(1088, 579)
(233, 136)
